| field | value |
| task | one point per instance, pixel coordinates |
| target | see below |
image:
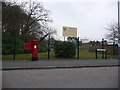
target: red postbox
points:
(34, 47)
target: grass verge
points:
(44, 56)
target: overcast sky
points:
(91, 17)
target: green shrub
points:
(64, 49)
(42, 46)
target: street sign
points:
(104, 53)
(101, 50)
(69, 31)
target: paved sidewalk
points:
(48, 64)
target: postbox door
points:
(35, 50)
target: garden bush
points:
(65, 49)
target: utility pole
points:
(14, 51)
(78, 44)
(118, 29)
(102, 48)
(114, 42)
(49, 46)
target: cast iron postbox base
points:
(34, 58)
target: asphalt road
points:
(102, 77)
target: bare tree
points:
(37, 21)
(113, 35)
(112, 32)
(23, 22)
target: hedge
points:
(65, 49)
